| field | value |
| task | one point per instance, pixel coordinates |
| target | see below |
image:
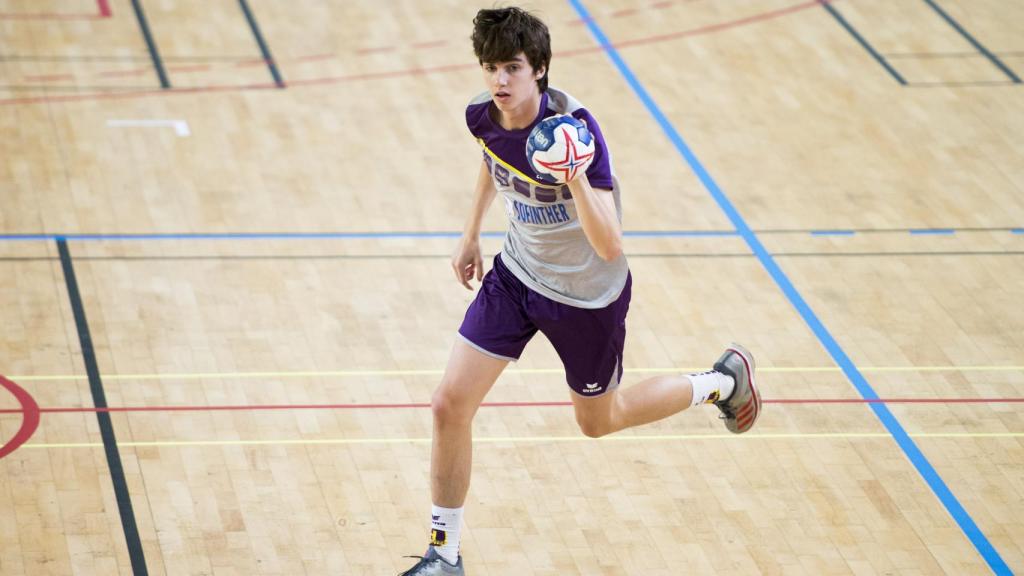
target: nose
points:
(501, 77)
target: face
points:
(512, 83)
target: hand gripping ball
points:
(559, 148)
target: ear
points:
(539, 73)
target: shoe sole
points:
(748, 362)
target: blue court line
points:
(923, 231)
(977, 45)
(833, 232)
(913, 453)
(1018, 230)
(864, 43)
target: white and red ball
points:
(559, 149)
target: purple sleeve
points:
(476, 116)
(600, 171)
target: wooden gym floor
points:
(226, 296)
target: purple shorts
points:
(506, 314)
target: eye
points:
(514, 68)
(490, 67)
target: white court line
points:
(180, 126)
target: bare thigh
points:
(470, 375)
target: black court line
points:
(974, 42)
(264, 49)
(99, 399)
(154, 54)
(864, 43)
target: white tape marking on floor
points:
(180, 126)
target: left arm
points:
(596, 210)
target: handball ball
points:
(559, 148)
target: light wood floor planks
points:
(267, 384)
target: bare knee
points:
(451, 408)
(594, 427)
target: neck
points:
(522, 115)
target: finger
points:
(478, 263)
(458, 273)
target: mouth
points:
(502, 96)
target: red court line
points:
(430, 44)
(724, 25)
(140, 93)
(315, 57)
(29, 420)
(264, 407)
(380, 75)
(102, 5)
(376, 50)
(624, 12)
(573, 22)
(412, 71)
(195, 68)
(130, 72)
(49, 77)
(702, 29)
(253, 62)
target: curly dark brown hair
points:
(499, 34)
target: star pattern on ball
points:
(572, 162)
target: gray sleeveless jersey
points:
(545, 246)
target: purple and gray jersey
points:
(545, 246)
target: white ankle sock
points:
(445, 530)
(710, 387)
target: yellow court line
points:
(434, 372)
(520, 439)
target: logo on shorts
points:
(593, 387)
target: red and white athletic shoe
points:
(741, 409)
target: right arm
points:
(467, 261)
